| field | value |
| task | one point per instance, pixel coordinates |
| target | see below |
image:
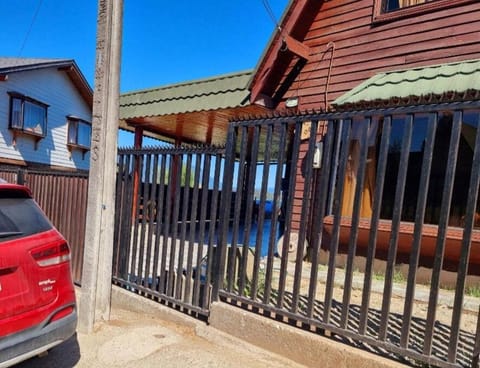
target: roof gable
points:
(285, 44)
(13, 65)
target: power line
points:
(30, 27)
(270, 12)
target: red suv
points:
(37, 296)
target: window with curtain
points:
(79, 132)
(27, 115)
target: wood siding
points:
(363, 48)
(52, 87)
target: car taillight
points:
(62, 313)
(51, 255)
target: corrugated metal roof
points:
(444, 82)
(225, 91)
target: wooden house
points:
(358, 55)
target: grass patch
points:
(473, 291)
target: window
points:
(390, 5)
(470, 124)
(386, 10)
(79, 133)
(27, 115)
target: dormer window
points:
(27, 115)
(79, 133)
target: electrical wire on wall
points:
(330, 46)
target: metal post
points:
(97, 263)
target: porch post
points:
(94, 303)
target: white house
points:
(45, 114)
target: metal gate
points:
(167, 207)
(355, 204)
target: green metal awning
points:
(434, 84)
(191, 112)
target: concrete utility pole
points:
(94, 304)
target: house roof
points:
(439, 83)
(12, 65)
(195, 111)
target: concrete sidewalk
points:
(135, 339)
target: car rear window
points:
(20, 216)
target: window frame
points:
(77, 121)
(379, 16)
(21, 127)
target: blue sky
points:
(163, 41)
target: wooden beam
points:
(298, 48)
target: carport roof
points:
(195, 111)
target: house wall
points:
(363, 49)
(54, 88)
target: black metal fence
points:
(166, 223)
(63, 197)
(358, 211)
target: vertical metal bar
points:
(144, 184)
(201, 236)
(174, 275)
(442, 229)
(126, 234)
(352, 245)
(417, 234)
(167, 227)
(183, 229)
(261, 212)
(292, 179)
(250, 185)
(476, 347)
(151, 210)
(118, 211)
(133, 270)
(466, 246)
(336, 159)
(275, 209)
(159, 220)
(125, 220)
(306, 200)
(377, 206)
(225, 213)
(396, 218)
(337, 208)
(212, 230)
(232, 267)
(321, 193)
(192, 230)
